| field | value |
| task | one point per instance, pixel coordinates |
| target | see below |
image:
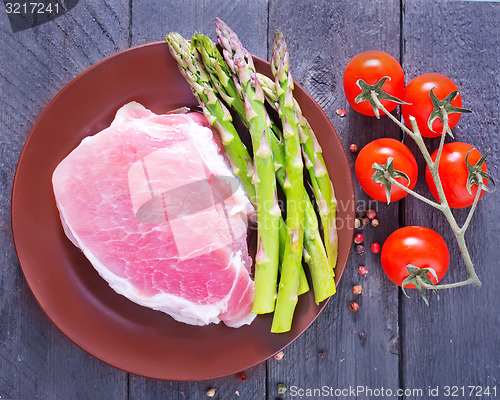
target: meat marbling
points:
(152, 204)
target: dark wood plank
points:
(249, 19)
(229, 387)
(321, 40)
(250, 22)
(36, 360)
(455, 340)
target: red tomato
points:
(453, 173)
(371, 66)
(378, 152)
(417, 93)
(418, 246)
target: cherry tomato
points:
(418, 246)
(378, 152)
(417, 93)
(453, 173)
(371, 66)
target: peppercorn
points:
(362, 335)
(362, 270)
(279, 356)
(354, 306)
(371, 213)
(357, 289)
(360, 210)
(211, 392)
(366, 221)
(375, 222)
(375, 247)
(360, 249)
(341, 112)
(358, 239)
(353, 147)
(281, 388)
(357, 223)
(242, 377)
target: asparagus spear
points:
(268, 211)
(230, 91)
(315, 164)
(287, 292)
(314, 250)
(218, 116)
(222, 78)
(215, 111)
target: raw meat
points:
(153, 205)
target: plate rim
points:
(31, 285)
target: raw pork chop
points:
(152, 204)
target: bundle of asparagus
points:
(230, 79)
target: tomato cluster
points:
(419, 247)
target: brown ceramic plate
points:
(81, 304)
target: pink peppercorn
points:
(371, 213)
(357, 289)
(362, 270)
(242, 377)
(358, 239)
(375, 247)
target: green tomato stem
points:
(392, 117)
(443, 136)
(413, 193)
(447, 286)
(471, 212)
(443, 205)
(434, 165)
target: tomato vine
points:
(429, 109)
(443, 205)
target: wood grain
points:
(36, 359)
(248, 19)
(455, 340)
(331, 353)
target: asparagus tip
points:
(264, 150)
(261, 256)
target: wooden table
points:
(409, 346)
